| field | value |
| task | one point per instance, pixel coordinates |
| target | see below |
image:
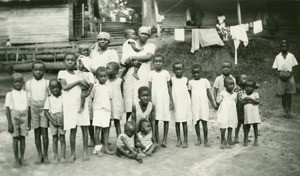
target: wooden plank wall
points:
(4, 35)
(37, 23)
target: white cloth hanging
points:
(238, 34)
(257, 27)
(195, 40)
(179, 35)
(188, 14)
(209, 37)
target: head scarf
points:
(145, 29)
(103, 35)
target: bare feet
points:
(17, 164)
(22, 162)
(245, 144)
(107, 151)
(63, 160)
(135, 76)
(163, 145)
(72, 159)
(46, 160)
(148, 154)
(80, 109)
(85, 158)
(91, 144)
(56, 161)
(141, 155)
(236, 140)
(230, 142)
(198, 143)
(39, 160)
(140, 160)
(255, 143)
(223, 146)
(206, 144)
(178, 144)
(184, 145)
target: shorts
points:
(286, 87)
(101, 118)
(38, 118)
(58, 117)
(20, 122)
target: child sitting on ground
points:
(125, 143)
(54, 112)
(16, 104)
(145, 138)
(130, 43)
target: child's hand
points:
(29, 126)
(10, 128)
(171, 106)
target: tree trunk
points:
(91, 4)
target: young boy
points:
(131, 44)
(284, 65)
(54, 112)
(16, 104)
(37, 90)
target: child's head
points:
(112, 69)
(129, 34)
(229, 84)
(70, 61)
(101, 75)
(84, 50)
(178, 69)
(55, 87)
(250, 85)
(226, 68)
(284, 46)
(18, 81)
(158, 61)
(38, 69)
(84, 64)
(129, 128)
(144, 94)
(196, 71)
(144, 126)
(241, 79)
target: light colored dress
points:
(145, 140)
(160, 95)
(130, 140)
(251, 112)
(219, 82)
(200, 107)
(181, 98)
(140, 114)
(227, 115)
(110, 55)
(117, 99)
(131, 85)
(71, 102)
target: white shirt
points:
(54, 104)
(16, 100)
(286, 64)
(219, 82)
(38, 88)
(110, 55)
(102, 94)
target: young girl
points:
(117, 97)
(251, 111)
(71, 81)
(182, 103)
(240, 90)
(145, 137)
(159, 83)
(227, 115)
(200, 93)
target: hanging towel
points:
(188, 14)
(209, 37)
(195, 40)
(238, 34)
(257, 26)
(179, 35)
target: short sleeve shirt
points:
(16, 100)
(219, 82)
(54, 104)
(110, 55)
(37, 89)
(286, 64)
(102, 94)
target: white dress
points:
(131, 85)
(160, 95)
(251, 112)
(71, 102)
(200, 107)
(227, 115)
(101, 60)
(181, 98)
(117, 99)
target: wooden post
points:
(239, 12)
(82, 12)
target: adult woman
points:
(131, 84)
(100, 53)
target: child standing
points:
(102, 106)
(71, 81)
(145, 137)
(16, 104)
(284, 65)
(182, 103)
(240, 90)
(54, 112)
(227, 115)
(251, 111)
(160, 85)
(37, 90)
(200, 93)
(117, 97)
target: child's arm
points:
(170, 94)
(29, 118)
(254, 101)
(67, 87)
(134, 47)
(152, 120)
(210, 97)
(47, 114)
(127, 145)
(122, 87)
(9, 122)
(133, 114)
(215, 92)
(90, 89)
(124, 72)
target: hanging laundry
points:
(209, 37)
(179, 35)
(195, 40)
(188, 14)
(246, 26)
(238, 34)
(257, 26)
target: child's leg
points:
(284, 104)
(16, 151)
(152, 149)
(205, 132)
(85, 139)
(197, 129)
(106, 150)
(177, 128)
(128, 114)
(22, 150)
(157, 131)
(288, 105)
(166, 130)
(97, 140)
(92, 135)
(73, 143)
(54, 145)
(255, 129)
(229, 136)
(185, 135)
(246, 133)
(63, 147)
(136, 65)
(44, 132)
(37, 138)
(118, 126)
(223, 141)
(237, 130)
(82, 101)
